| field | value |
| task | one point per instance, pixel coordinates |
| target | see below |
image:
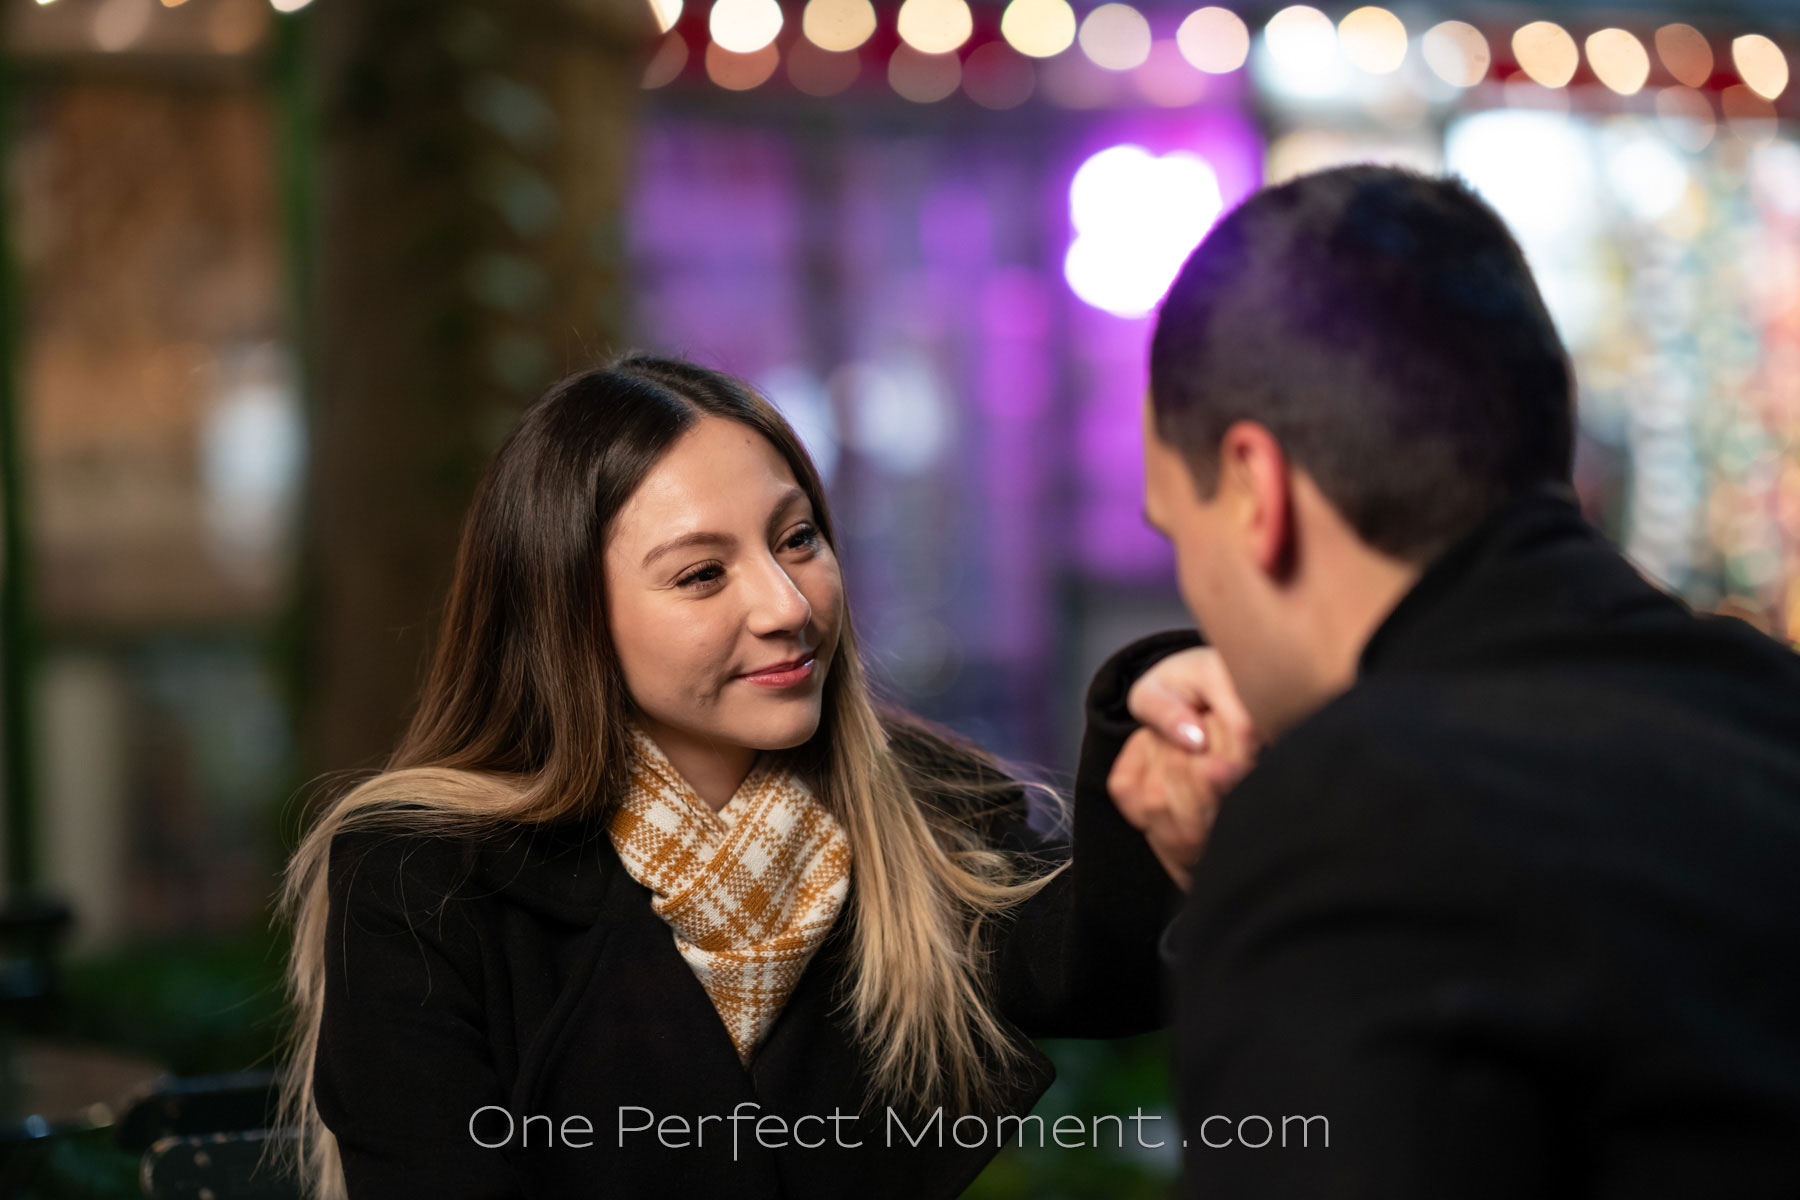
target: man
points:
(1511, 898)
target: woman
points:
(651, 896)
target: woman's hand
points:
(1197, 742)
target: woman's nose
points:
(776, 604)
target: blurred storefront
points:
(932, 231)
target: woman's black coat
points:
(529, 978)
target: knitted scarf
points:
(750, 891)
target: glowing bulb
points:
(838, 24)
(1038, 28)
(1116, 36)
(1619, 60)
(1760, 64)
(1546, 53)
(1301, 38)
(1373, 39)
(288, 6)
(1214, 40)
(935, 26)
(744, 26)
(1457, 53)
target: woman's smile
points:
(782, 675)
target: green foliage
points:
(1095, 1081)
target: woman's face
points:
(715, 573)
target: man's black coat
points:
(1519, 914)
(531, 975)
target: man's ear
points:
(1255, 472)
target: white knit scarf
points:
(750, 891)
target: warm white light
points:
(935, 26)
(1301, 38)
(1457, 53)
(744, 26)
(1546, 52)
(666, 12)
(1373, 39)
(288, 6)
(1215, 40)
(1137, 218)
(838, 24)
(1116, 36)
(1619, 60)
(1760, 64)
(1684, 50)
(1038, 28)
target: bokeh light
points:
(666, 63)
(1685, 52)
(1619, 60)
(1686, 117)
(935, 26)
(1137, 217)
(1039, 28)
(740, 72)
(996, 77)
(1301, 38)
(1546, 53)
(1760, 64)
(117, 24)
(1457, 53)
(666, 13)
(744, 26)
(1373, 39)
(1215, 40)
(820, 72)
(923, 78)
(1116, 36)
(838, 24)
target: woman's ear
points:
(1254, 475)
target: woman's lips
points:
(784, 678)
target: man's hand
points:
(1197, 742)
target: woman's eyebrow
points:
(787, 501)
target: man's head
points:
(1352, 370)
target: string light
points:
(1373, 39)
(744, 26)
(1546, 53)
(1456, 53)
(1038, 28)
(1116, 36)
(838, 24)
(1684, 52)
(935, 26)
(1619, 60)
(1214, 40)
(1760, 64)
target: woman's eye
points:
(803, 537)
(699, 575)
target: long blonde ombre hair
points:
(522, 721)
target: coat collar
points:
(1533, 569)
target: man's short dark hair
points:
(1384, 327)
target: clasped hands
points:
(1196, 741)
